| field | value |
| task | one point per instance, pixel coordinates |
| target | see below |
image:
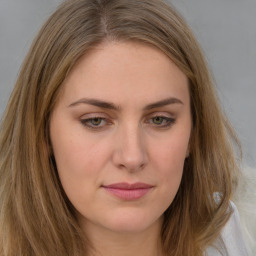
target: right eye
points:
(161, 121)
(95, 122)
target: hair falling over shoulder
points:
(36, 218)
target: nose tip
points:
(130, 152)
(131, 162)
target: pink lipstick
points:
(128, 191)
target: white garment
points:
(232, 237)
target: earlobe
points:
(188, 150)
(187, 153)
(189, 143)
(47, 147)
(49, 153)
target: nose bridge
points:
(130, 151)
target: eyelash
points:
(168, 121)
(88, 122)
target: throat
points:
(110, 243)
(127, 246)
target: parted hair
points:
(36, 218)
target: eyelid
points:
(87, 118)
(161, 114)
(167, 117)
(94, 115)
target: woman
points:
(113, 141)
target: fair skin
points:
(123, 117)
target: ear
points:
(190, 143)
(47, 148)
(188, 152)
(188, 148)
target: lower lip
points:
(128, 194)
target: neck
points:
(110, 243)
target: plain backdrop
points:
(226, 30)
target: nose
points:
(130, 149)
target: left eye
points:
(95, 122)
(161, 121)
(158, 120)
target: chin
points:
(132, 222)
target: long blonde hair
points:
(36, 218)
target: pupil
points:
(158, 120)
(96, 121)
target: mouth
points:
(128, 191)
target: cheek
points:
(80, 160)
(77, 160)
(79, 168)
(168, 161)
(171, 153)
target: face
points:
(120, 134)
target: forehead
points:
(116, 70)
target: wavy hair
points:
(36, 218)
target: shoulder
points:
(232, 237)
(245, 201)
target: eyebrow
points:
(95, 102)
(109, 105)
(163, 102)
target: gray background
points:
(226, 30)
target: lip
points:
(127, 191)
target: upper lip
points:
(128, 186)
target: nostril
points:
(131, 160)
(130, 150)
